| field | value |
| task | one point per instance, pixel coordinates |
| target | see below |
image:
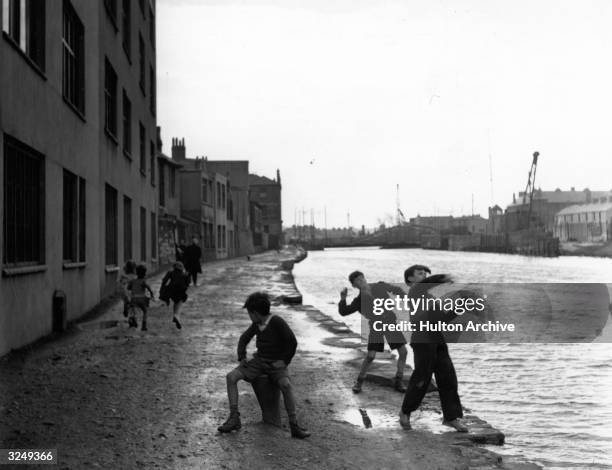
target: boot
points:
(405, 421)
(398, 384)
(232, 423)
(144, 326)
(298, 432)
(357, 385)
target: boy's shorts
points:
(258, 366)
(376, 340)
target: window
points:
(73, 79)
(127, 125)
(152, 162)
(152, 27)
(172, 182)
(74, 218)
(110, 99)
(224, 236)
(218, 236)
(143, 234)
(111, 9)
(223, 190)
(126, 11)
(218, 194)
(143, 150)
(127, 228)
(153, 236)
(24, 204)
(162, 185)
(24, 22)
(111, 223)
(141, 50)
(152, 91)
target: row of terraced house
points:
(85, 183)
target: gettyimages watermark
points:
(499, 313)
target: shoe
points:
(232, 423)
(144, 326)
(456, 424)
(132, 322)
(399, 385)
(298, 432)
(177, 323)
(405, 421)
(357, 385)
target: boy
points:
(430, 355)
(122, 284)
(276, 345)
(137, 289)
(376, 339)
(174, 287)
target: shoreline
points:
(344, 337)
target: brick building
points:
(266, 193)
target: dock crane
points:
(529, 189)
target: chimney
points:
(178, 149)
(278, 180)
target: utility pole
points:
(325, 221)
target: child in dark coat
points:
(174, 288)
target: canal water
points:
(553, 401)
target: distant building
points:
(77, 157)
(546, 204)
(447, 224)
(260, 238)
(266, 193)
(238, 173)
(173, 227)
(585, 222)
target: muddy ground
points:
(106, 396)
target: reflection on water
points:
(553, 401)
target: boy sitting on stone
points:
(276, 345)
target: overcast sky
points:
(349, 98)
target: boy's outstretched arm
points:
(344, 309)
(244, 340)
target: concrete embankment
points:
(107, 396)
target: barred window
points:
(152, 91)
(111, 9)
(73, 41)
(142, 60)
(127, 124)
(110, 98)
(127, 228)
(153, 236)
(74, 218)
(143, 234)
(24, 204)
(111, 222)
(143, 150)
(162, 185)
(126, 11)
(24, 22)
(152, 162)
(152, 27)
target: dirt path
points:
(107, 396)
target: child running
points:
(137, 289)
(129, 274)
(276, 345)
(174, 287)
